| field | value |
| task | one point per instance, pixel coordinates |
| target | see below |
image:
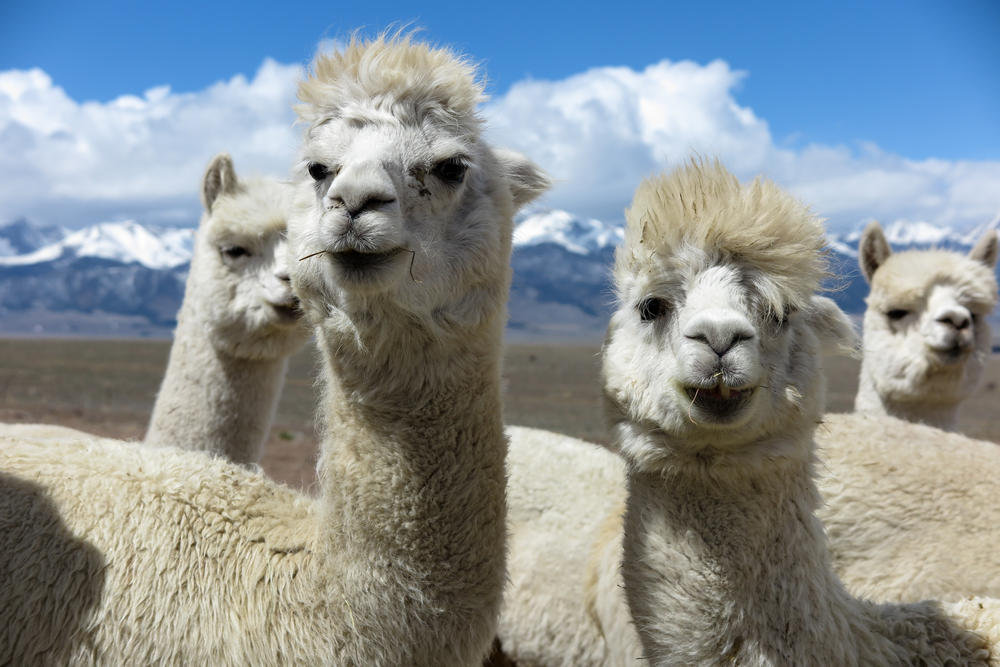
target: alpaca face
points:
(391, 215)
(926, 338)
(700, 360)
(239, 278)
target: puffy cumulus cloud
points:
(598, 133)
(67, 162)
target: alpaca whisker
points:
(413, 256)
(691, 405)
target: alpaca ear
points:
(220, 177)
(833, 328)
(525, 179)
(985, 250)
(873, 251)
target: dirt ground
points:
(107, 387)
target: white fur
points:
(159, 556)
(926, 337)
(237, 326)
(776, 561)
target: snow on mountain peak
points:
(577, 235)
(126, 242)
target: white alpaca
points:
(926, 338)
(564, 603)
(237, 326)
(159, 556)
(711, 373)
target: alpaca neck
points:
(210, 400)
(413, 478)
(731, 566)
(936, 411)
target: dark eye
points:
(318, 171)
(781, 318)
(451, 171)
(897, 314)
(651, 309)
(234, 251)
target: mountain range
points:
(125, 279)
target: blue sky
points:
(853, 85)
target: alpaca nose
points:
(719, 329)
(281, 273)
(360, 188)
(957, 317)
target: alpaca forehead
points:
(384, 140)
(909, 277)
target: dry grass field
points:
(107, 387)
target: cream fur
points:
(926, 337)
(160, 556)
(237, 326)
(683, 623)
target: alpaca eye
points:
(651, 309)
(781, 318)
(897, 314)
(451, 171)
(234, 251)
(318, 171)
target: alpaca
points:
(564, 604)
(237, 326)
(926, 338)
(400, 239)
(713, 384)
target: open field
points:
(107, 387)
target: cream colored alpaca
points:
(566, 536)
(155, 555)
(237, 326)
(711, 373)
(926, 338)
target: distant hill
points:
(127, 279)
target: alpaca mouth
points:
(361, 265)
(287, 312)
(950, 355)
(719, 401)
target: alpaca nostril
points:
(283, 275)
(369, 204)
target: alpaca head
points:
(926, 338)
(401, 206)
(239, 286)
(716, 342)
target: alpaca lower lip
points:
(720, 400)
(287, 312)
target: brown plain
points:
(107, 387)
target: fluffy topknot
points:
(702, 206)
(396, 75)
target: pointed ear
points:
(986, 249)
(525, 179)
(833, 328)
(220, 177)
(873, 251)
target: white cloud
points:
(67, 162)
(598, 133)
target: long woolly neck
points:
(412, 475)
(730, 566)
(937, 411)
(212, 401)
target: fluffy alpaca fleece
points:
(237, 326)
(926, 338)
(582, 618)
(714, 393)
(910, 510)
(160, 556)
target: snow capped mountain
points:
(576, 235)
(124, 278)
(126, 242)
